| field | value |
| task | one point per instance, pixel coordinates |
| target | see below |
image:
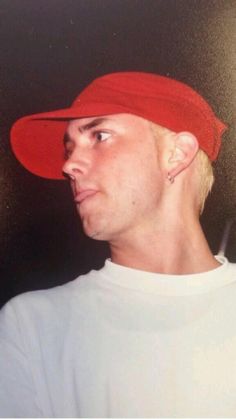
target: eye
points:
(101, 135)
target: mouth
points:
(83, 195)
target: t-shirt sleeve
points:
(17, 390)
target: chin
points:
(98, 226)
(95, 235)
(95, 232)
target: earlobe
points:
(184, 150)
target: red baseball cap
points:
(37, 140)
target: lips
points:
(84, 194)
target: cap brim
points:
(37, 140)
(37, 143)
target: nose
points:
(76, 165)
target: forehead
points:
(114, 120)
(87, 123)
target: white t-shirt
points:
(122, 343)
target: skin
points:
(118, 172)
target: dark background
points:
(50, 49)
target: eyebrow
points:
(92, 124)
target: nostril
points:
(67, 171)
(74, 166)
(66, 175)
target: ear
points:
(185, 148)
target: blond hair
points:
(204, 169)
(205, 177)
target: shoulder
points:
(54, 303)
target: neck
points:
(172, 249)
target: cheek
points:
(133, 171)
(136, 179)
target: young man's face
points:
(114, 169)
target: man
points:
(152, 334)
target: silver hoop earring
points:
(170, 178)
